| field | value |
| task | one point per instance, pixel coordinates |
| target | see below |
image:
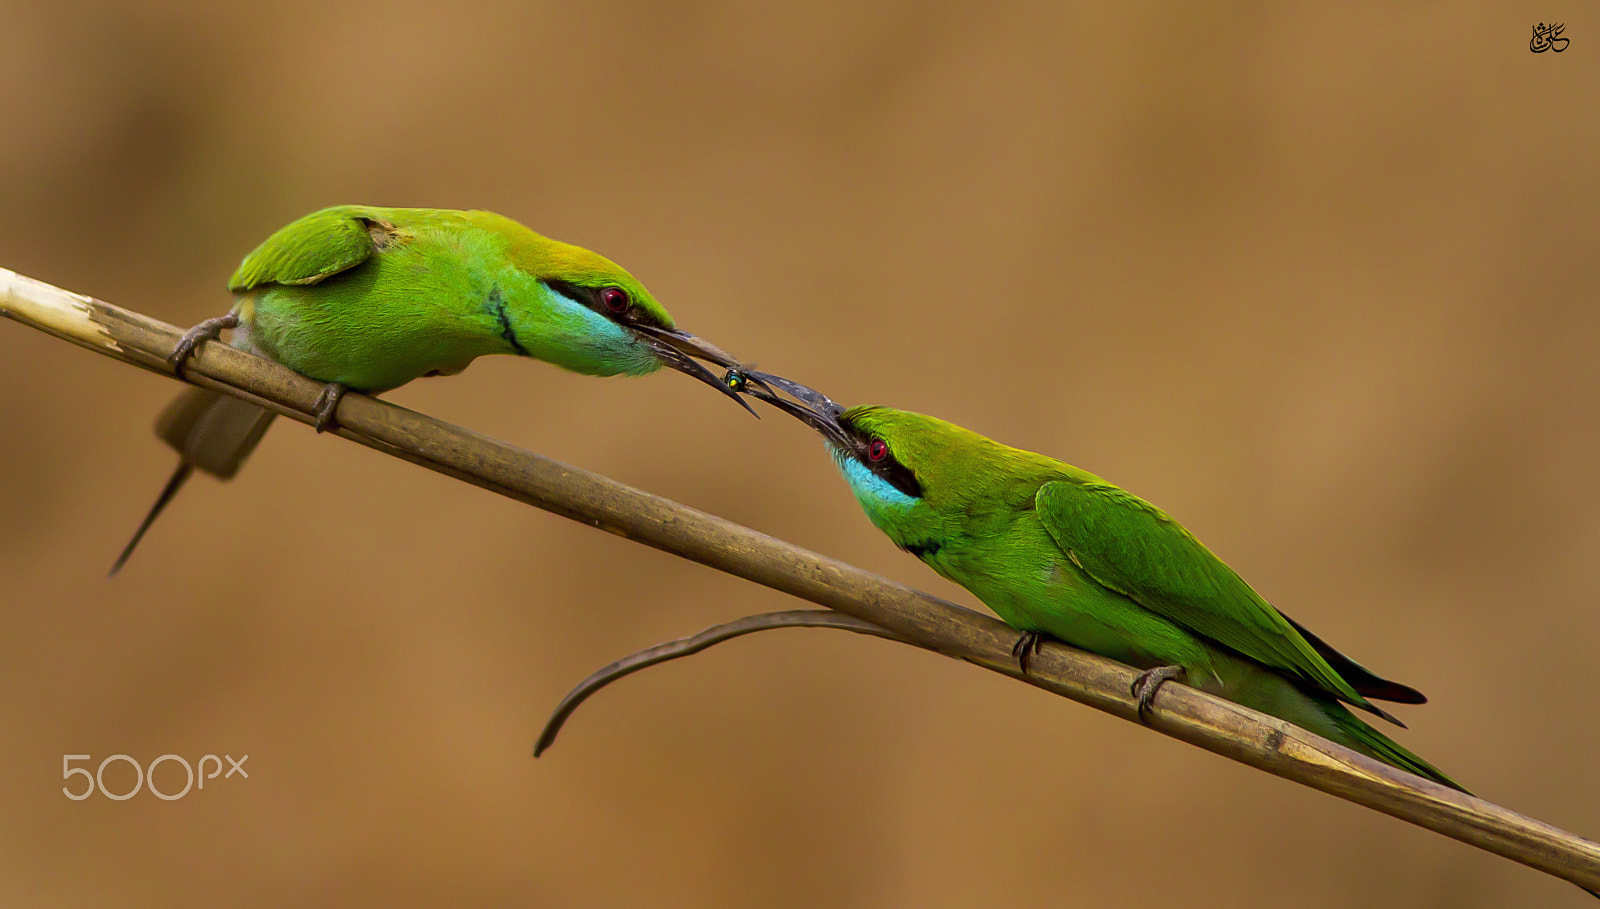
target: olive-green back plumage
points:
(327, 242)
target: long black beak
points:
(809, 406)
(679, 349)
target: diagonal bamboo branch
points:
(1184, 713)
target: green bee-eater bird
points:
(370, 298)
(1058, 552)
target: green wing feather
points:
(316, 247)
(1130, 546)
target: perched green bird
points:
(368, 299)
(1058, 552)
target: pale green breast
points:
(429, 303)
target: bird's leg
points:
(328, 404)
(1144, 687)
(1027, 645)
(209, 330)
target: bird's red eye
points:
(615, 298)
(877, 450)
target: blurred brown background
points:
(1320, 281)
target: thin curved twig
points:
(682, 647)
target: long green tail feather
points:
(1384, 748)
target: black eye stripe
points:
(594, 298)
(591, 297)
(571, 291)
(887, 466)
(899, 476)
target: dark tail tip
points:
(171, 489)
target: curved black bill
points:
(678, 349)
(809, 406)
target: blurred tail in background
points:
(212, 432)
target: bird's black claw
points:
(1027, 646)
(328, 405)
(1146, 685)
(209, 330)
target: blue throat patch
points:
(877, 495)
